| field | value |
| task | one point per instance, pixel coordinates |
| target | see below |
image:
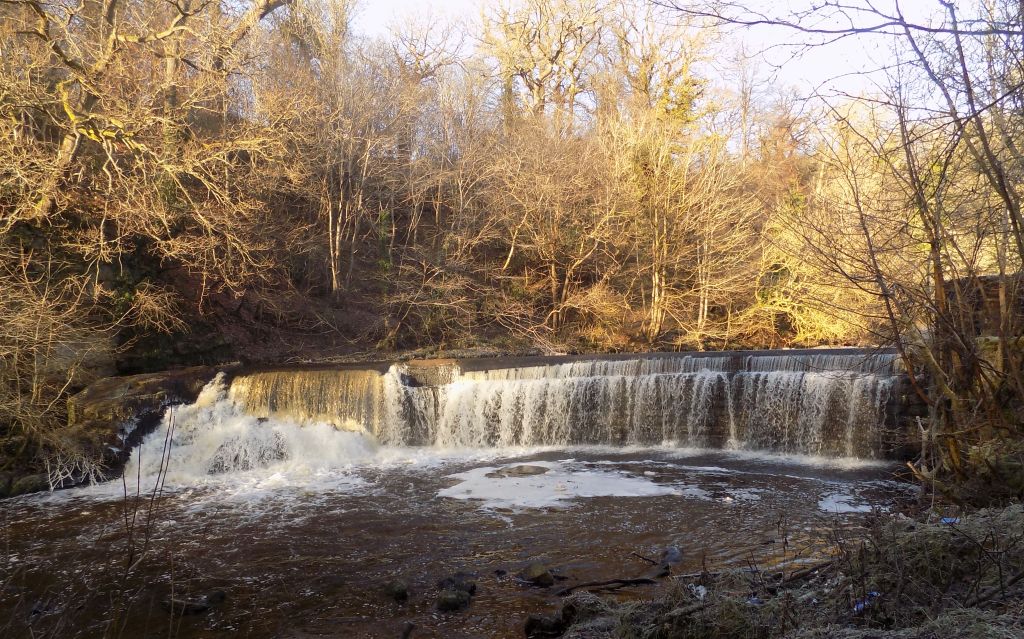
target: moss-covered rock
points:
(110, 416)
(6, 481)
(29, 484)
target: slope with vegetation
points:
(186, 182)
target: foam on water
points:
(213, 437)
(558, 487)
(839, 503)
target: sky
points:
(838, 67)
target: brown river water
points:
(309, 556)
(290, 500)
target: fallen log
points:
(618, 583)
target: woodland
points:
(190, 181)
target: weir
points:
(835, 403)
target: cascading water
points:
(829, 405)
(417, 471)
(806, 403)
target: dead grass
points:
(903, 579)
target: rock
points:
(671, 555)
(658, 572)
(460, 581)
(6, 481)
(523, 470)
(407, 629)
(452, 600)
(397, 590)
(553, 625)
(542, 626)
(117, 399)
(178, 606)
(111, 415)
(537, 574)
(29, 484)
(456, 592)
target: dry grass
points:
(904, 578)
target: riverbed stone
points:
(551, 625)
(460, 581)
(538, 626)
(397, 590)
(180, 606)
(6, 480)
(522, 470)
(671, 555)
(456, 592)
(29, 484)
(452, 600)
(537, 574)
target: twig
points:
(641, 581)
(647, 559)
(995, 590)
(806, 572)
(684, 612)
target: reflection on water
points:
(305, 552)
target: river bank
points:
(935, 577)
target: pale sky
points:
(828, 68)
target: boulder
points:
(29, 484)
(522, 470)
(397, 590)
(180, 606)
(537, 574)
(456, 592)
(671, 555)
(460, 581)
(452, 600)
(119, 399)
(6, 481)
(110, 416)
(553, 625)
(538, 626)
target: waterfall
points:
(830, 403)
(347, 399)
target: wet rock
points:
(522, 470)
(6, 481)
(460, 581)
(227, 459)
(671, 555)
(456, 592)
(178, 606)
(541, 626)
(29, 484)
(452, 600)
(658, 572)
(397, 590)
(111, 415)
(538, 626)
(537, 574)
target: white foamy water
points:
(197, 443)
(563, 483)
(843, 503)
